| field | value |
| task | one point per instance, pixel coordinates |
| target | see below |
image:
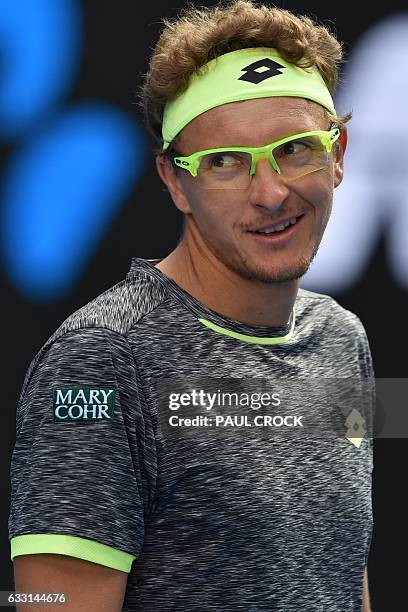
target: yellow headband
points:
(257, 72)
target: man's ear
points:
(339, 150)
(171, 179)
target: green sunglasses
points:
(192, 162)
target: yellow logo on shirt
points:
(355, 424)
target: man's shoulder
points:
(117, 309)
(326, 306)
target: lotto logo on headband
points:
(83, 404)
(252, 76)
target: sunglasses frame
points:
(191, 162)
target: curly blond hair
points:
(198, 35)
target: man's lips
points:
(276, 222)
(277, 237)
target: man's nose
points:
(267, 186)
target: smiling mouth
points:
(277, 238)
(278, 228)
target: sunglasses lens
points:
(225, 170)
(301, 156)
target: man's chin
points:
(283, 275)
(272, 273)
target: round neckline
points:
(206, 315)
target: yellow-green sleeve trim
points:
(73, 546)
(252, 339)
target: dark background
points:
(119, 37)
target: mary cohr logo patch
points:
(83, 403)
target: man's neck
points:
(231, 295)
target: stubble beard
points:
(280, 273)
(269, 274)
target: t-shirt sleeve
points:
(369, 402)
(368, 381)
(78, 473)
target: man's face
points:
(219, 220)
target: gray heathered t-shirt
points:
(237, 520)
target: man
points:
(134, 486)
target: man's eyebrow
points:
(269, 140)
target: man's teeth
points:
(278, 228)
